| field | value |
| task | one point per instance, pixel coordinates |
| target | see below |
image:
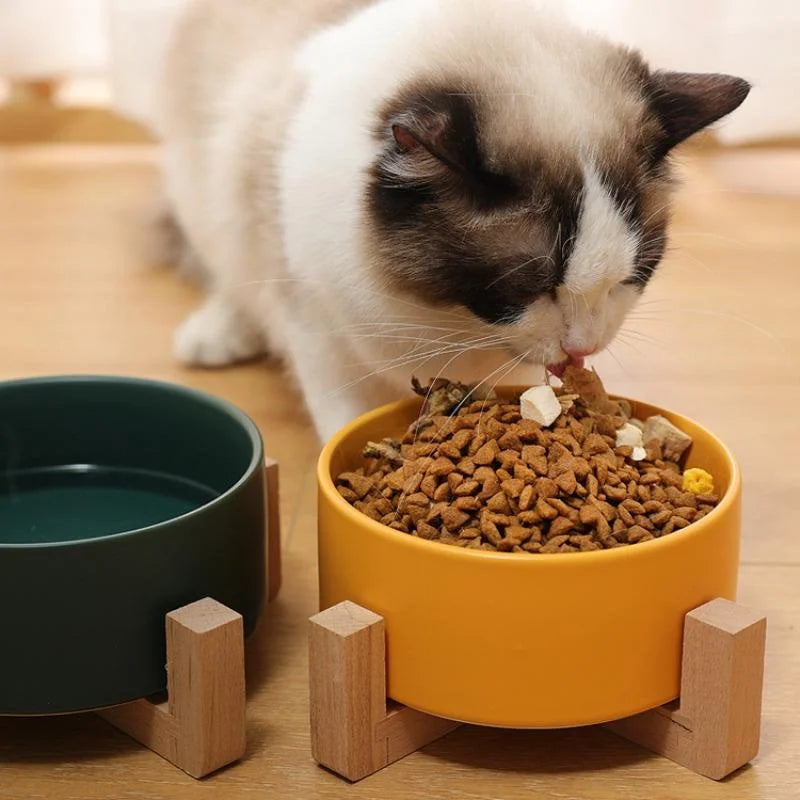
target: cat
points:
(376, 189)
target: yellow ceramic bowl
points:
(520, 640)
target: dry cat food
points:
(557, 471)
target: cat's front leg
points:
(219, 333)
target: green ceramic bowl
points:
(120, 500)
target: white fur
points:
(605, 248)
(245, 123)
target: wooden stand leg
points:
(715, 730)
(352, 733)
(274, 572)
(201, 727)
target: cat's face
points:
(539, 203)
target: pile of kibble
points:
(473, 473)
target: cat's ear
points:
(686, 102)
(433, 135)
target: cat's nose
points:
(578, 352)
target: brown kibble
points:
(526, 498)
(594, 443)
(519, 533)
(498, 503)
(633, 506)
(636, 532)
(560, 526)
(430, 484)
(487, 453)
(347, 493)
(396, 479)
(530, 452)
(382, 505)
(649, 478)
(581, 468)
(491, 486)
(360, 484)
(490, 531)
(607, 424)
(563, 509)
(546, 487)
(603, 527)
(567, 482)
(507, 545)
(483, 474)
(442, 466)
(660, 518)
(449, 450)
(545, 510)
(466, 466)
(602, 470)
(508, 459)
(474, 544)
(461, 439)
(454, 480)
(478, 441)
(442, 493)
(710, 499)
(553, 545)
(525, 474)
(615, 492)
(413, 482)
(467, 503)
(466, 487)
(590, 515)
(426, 531)
(644, 521)
(510, 441)
(484, 478)
(415, 499)
(512, 487)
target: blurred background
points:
(91, 57)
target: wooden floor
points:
(717, 338)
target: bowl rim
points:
(326, 486)
(187, 392)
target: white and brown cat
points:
(380, 188)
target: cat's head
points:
(522, 174)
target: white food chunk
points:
(540, 404)
(629, 435)
(674, 442)
(638, 454)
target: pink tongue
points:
(558, 369)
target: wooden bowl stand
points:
(713, 729)
(201, 726)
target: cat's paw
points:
(216, 335)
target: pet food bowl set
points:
(135, 517)
(122, 500)
(517, 640)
